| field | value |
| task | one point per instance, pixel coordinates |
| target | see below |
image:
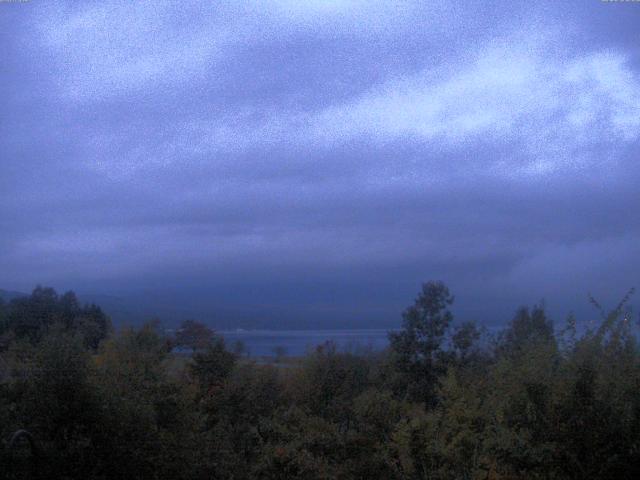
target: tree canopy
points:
(79, 400)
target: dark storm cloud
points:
(315, 157)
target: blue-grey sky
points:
(311, 162)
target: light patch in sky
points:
(556, 107)
(553, 106)
(111, 48)
(114, 48)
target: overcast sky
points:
(320, 159)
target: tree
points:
(5, 334)
(30, 317)
(55, 402)
(94, 326)
(279, 352)
(527, 329)
(465, 343)
(2, 314)
(417, 348)
(33, 316)
(193, 335)
(148, 426)
(211, 366)
(328, 380)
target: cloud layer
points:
(322, 153)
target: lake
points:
(259, 343)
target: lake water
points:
(260, 343)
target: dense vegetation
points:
(445, 401)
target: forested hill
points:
(8, 295)
(122, 311)
(134, 309)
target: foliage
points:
(443, 402)
(418, 349)
(212, 366)
(33, 316)
(193, 335)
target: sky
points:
(308, 164)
